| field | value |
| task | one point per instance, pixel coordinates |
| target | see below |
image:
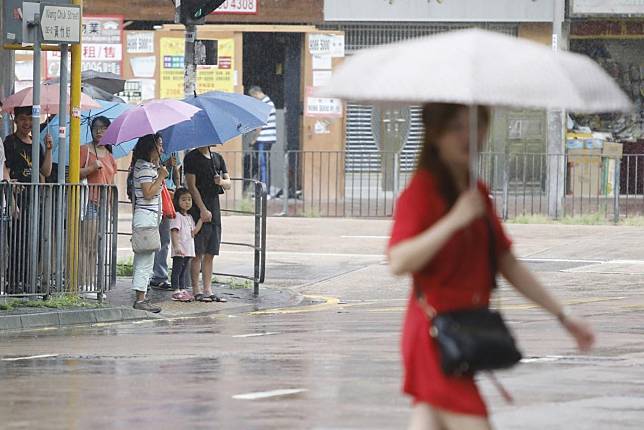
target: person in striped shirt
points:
(266, 137)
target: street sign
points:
(60, 24)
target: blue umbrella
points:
(223, 116)
(110, 110)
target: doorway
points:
(273, 62)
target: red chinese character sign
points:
(102, 49)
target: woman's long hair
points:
(436, 120)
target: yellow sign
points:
(219, 77)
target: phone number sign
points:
(243, 7)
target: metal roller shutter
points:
(361, 149)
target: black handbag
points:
(472, 340)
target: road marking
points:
(364, 237)
(267, 333)
(560, 260)
(625, 262)
(31, 357)
(566, 302)
(267, 394)
(546, 359)
(329, 302)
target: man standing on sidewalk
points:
(265, 139)
(17, 151)
(206, 177)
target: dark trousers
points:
(180, 270)
(20, 262)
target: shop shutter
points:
(361, 149)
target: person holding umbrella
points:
(149, 176)
(441, 234)
(446, 233)
(98, 167)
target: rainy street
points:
(332, 361)
(323, 153)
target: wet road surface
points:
(335, 364)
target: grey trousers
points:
(160, 271)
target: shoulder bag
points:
(146, 239)
(472, 340)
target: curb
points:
(71, 317)
(116, 314)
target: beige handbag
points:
(146, 239)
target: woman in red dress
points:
(441, 237)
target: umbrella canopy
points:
(107, 82)
(477, 67)
(49, 99)
(109, 110)
(223, 116)
(147, 118)
(98, 94)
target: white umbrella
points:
(476, 67)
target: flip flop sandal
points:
(201, 298)
(216, 298)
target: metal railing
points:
(326, 183)
(243, 194)
(57, 239)
(259, 241)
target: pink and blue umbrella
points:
(147, 118)
(223, 116)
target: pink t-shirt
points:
(185, 224)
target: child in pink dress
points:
(182, 231)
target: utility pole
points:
(192, 13)
(556, 154)
(190, 74)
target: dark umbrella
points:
(105, 81)
(99, 94)
(100, 85)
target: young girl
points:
(183, 231)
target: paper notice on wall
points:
(326, 45)
(322, 62)
(322, 106)
(143, 67)
(219, 77)
(321, 77)
(322, 127)
(138, 90)
(140, 42)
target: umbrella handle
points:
(473, 151)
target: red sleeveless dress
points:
(458, 277)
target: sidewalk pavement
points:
(118, 307)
